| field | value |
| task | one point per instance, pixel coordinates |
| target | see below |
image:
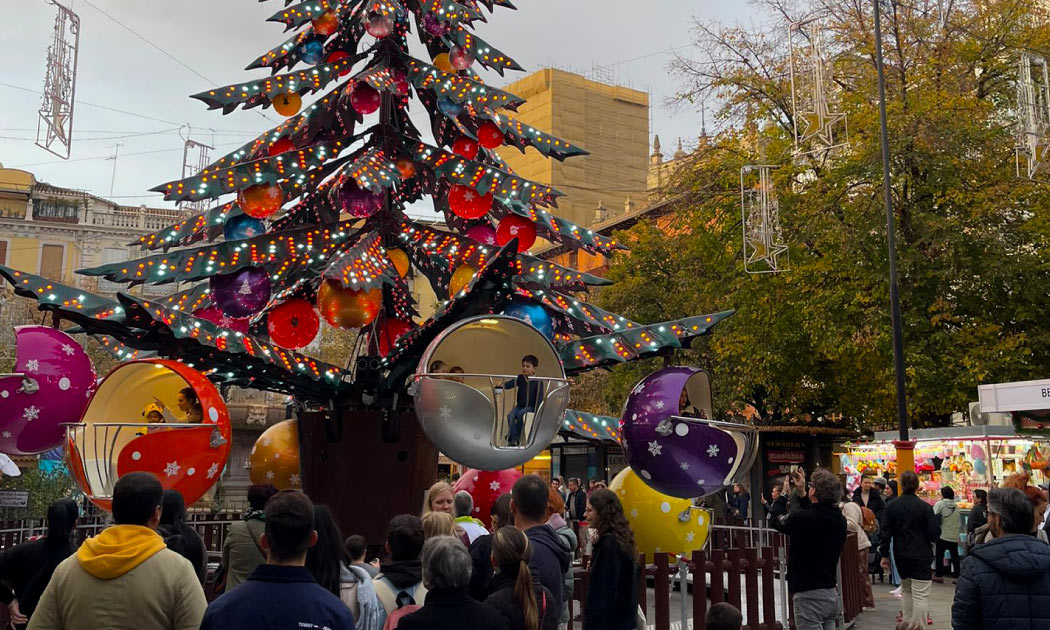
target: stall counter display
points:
(963, 464)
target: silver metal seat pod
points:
(467, 420)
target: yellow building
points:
(609, 121)
(53, 231)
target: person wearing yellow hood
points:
(125, 578)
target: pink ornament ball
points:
(364, 98)
(460, 58)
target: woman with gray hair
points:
(446, 574)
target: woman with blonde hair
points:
(526, 604)
(439, 498)
(438, 524)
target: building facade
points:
(610, 121)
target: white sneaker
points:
(896, 592)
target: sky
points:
(200, 44)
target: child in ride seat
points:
(528, 398)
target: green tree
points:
(972, 236)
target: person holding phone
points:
(810, 516)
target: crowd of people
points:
(1003, 582)
(287, 565)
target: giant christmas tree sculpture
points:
(332, 183)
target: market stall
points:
(965, 458)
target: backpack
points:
(868, 522)
(403, 599)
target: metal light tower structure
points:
(54, 131)
(818, 129)
(195, 158)
(1033, 115)
(765, 250)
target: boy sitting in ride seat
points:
(528, 398)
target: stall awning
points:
(952, 433)
(1019, 396)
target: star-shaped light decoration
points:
(172, 469)
(655, 448)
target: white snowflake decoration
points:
(684, 465)
(445, 412)
(269, 475)
(30, 413)
(634, 513)
(655, 448)
(213, 470)
(68, 349)
(689, 537)
(712, 451)
(659, 404)
(494, 486)
(33, 365)
(172, 469)
(6, 434)
(266, 441)
(294, 479)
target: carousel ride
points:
(310, 230)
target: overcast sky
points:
(216, 39)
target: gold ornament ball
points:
(654, 517)
(347, 308)
(461, 277)
(275, 457)
(400, 260)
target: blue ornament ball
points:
(243, 226)
(312, 52)
(533, 314)
(449, 107)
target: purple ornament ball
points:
(357, 202)
(241, 293)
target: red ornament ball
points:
(460, 58)
(490, 135)
(406, 168)
(261, 200)
(485, 487)
(514, 226)
(335, 56)
(326, 23)
(465, 146)
(364, 98)
(389, 332)
(468, 203)
(281, 146)
(293, 324)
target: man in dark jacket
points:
(1005, 583)
(909, 524)
(817, 530)
(870, 496)
(550, 561)
(281, 593)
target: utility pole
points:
(905, 447)
(113, 178)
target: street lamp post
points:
(905, 447)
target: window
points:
(51, 259)
(3, 252)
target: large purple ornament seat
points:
(677, 454)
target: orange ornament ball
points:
(288, 104)
(275, 457)
(441, 62)
(514, 226)
(347, 308)
(461, 277)
(400, 260)
(406, 168)
(261, 200)
(490, 135)
(326, 23)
